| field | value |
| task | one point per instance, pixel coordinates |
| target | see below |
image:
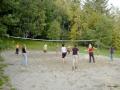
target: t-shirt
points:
(63, 49)
(90, 50)
(75, 51)
(45, 47)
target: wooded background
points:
(61, 20)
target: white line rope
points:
(51, 40)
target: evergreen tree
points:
(54, 31)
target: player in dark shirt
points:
(111, 52)
(75, 57)
(17, 49)
(24, 52)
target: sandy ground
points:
(46, 72)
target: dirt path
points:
(46, 72)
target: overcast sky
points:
(115, 3)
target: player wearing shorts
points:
(64, 52)
(75, 57)
(17, 49)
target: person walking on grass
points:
(91, 53)
(64, 52)
(24, 53)
(111, 53)
(75, 51)
(17, 49)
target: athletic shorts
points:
(17, 51)
(64, 55)
(75, 57)
(44, 51)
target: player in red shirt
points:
(91, 53)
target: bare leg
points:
(89, 58)
(76, 61)
(73, 66)
(93, 58)
(63, 60)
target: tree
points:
(6, 15)
(100, 6)
(32, 16)
(74, 34)
(54, 31)
(116, 30)
(96, 23)
(3, 29)
(103, 31)
(75, 19)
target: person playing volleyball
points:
(75, 57)
(17, 49)
(64, 52)
(91, 53)
(45, 48)
(24, 53)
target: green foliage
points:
(74, 34)
(3, 78)
(54, 30)
(68, 19)
(3, 30)
(116, 31)
(116, 38)
(97, 23)
(32, 16)
(103, 31)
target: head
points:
(90, 46)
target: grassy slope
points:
(38, 45)
(3, 78)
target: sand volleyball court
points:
(46, 72)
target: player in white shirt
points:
(64, 52)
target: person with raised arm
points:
(91, 53)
